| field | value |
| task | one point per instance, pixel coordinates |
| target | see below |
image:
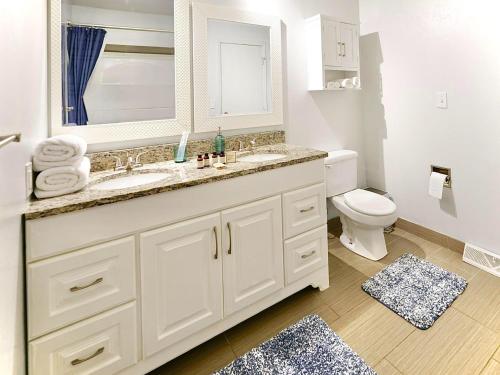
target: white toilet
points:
(363, 214)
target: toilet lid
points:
(369, 203)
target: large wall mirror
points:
(237, 68)
(120, 69)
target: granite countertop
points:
(179, 176)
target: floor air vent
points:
(483, 259)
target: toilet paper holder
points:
(443, 170)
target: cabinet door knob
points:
(216, 256)
(230, 250)
(78, 288)
(78, 361)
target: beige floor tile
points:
(345, 291)
(456, 344)
(492, 368)
(496, 357)
(366, 266)
(268, 323)
(204, 359)
(481, 300)
(384, 367)
(372, 330)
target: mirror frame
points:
(202, 121)
(125, 131)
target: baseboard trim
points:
(431, 235)
(335, 228)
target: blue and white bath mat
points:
(308, 347)
(415, 289)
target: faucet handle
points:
(138, 158)
(242, 147)
(118, 165)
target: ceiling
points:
(165, 7)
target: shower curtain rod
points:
(69, 23)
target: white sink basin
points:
(130, 181)
(259, 158)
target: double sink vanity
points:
(123, 278)
(145, 264)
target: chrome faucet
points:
(250, 147)
(131, 162)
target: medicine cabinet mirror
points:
(120, 69)
(237, 69)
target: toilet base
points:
(367, 241)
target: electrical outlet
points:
(28, 172)
(442, 99)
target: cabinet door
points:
(181, 281)
(331, 43)
(253, 253)
(350, 49)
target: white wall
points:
(22, 109)
(410, 50)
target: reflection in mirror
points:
(117, 61)
(239, 73)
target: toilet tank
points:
(341, 172)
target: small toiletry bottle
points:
(219, 142)
(206, 160)
(199, 162)
(213, 159)
(222, 158)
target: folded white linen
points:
(62, 180)
(58, 151)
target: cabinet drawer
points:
(104, 344)
(68, 288)
(304, 209)
(305, 254)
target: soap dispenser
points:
(219, 142)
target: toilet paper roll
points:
(436, 185)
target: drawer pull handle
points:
(230, 250)
(304, 210)
(78, 288)
(305, 256)
(216, 256)
(78, 361)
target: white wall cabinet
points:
(205, 265)
(253, 253)
(333, 51)
(181, 269)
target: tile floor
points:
(465, 340)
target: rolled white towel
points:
(347, 83)
(62, 180)
(58, 151)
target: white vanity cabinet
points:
(181, 268)
(253, 253)
(206, 258)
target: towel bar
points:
(6, 139)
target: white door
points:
(243, 78)
(181, 281)
(349, 38)
(253, 253)
(331, 44)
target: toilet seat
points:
(369, 203)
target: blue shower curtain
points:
(84, 46)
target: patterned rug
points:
(415, 289)
(308, 347)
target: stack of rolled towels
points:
(346, 83)
(62, 165)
